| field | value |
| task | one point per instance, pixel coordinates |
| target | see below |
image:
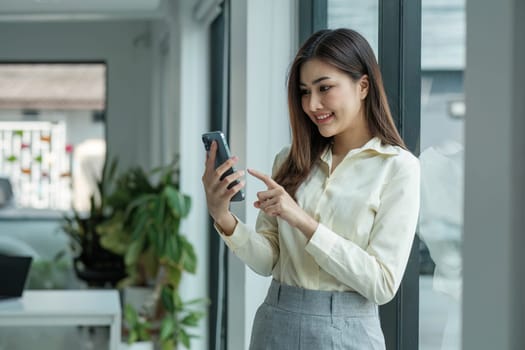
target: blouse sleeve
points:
(259, 248)
(375, 272)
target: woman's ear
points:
(364, 84)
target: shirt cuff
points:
(239, 236)
(322, 242)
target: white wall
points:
(185, 85)
(123, 45)
(263, 35)
(493, 305)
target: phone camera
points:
(207, 143)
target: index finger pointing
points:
(268, 181)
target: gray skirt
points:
(293, 318)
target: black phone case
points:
(223, 154)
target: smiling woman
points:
(346, 60)
(338, 216)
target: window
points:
(356, 14)
(52, 133)
(442, 173)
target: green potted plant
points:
(93, 263)
(138, 330)
(144, 229)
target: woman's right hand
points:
(218, 195)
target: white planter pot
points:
(137, 296)
(141, 345)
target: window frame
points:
(219, 111)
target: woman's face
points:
(332, 100)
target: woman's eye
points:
(304, 92)
(324, 88)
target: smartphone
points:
(222, 155)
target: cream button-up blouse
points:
(367, 210)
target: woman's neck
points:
(343, 144)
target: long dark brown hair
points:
(348, 51)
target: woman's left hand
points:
(275, 201)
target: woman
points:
(337, 220)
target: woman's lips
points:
(323, 118)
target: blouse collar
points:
(373, 145)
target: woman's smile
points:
(324, 117)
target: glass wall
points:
(360, 15)
(441, 155)
(442, 173)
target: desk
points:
(65, 308)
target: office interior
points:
(169, 70)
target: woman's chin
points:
(325, 132)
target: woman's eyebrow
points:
(316, 81)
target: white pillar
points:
(263, 42)
(493, 304)
(186, 116)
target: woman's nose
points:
(315, 102)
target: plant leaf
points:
(167, 328)
(133, 336)
(140, 224)
(192, 319)
(174, 276)
(173, 249)
(144, 332)
(187, 205)
(168, 344)
(133, 253)
(177, 301)
(179, 203)
(184, 338)
(167, 298)
(130, 315)
(141, 201)
(160, 210)
(189, 258)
